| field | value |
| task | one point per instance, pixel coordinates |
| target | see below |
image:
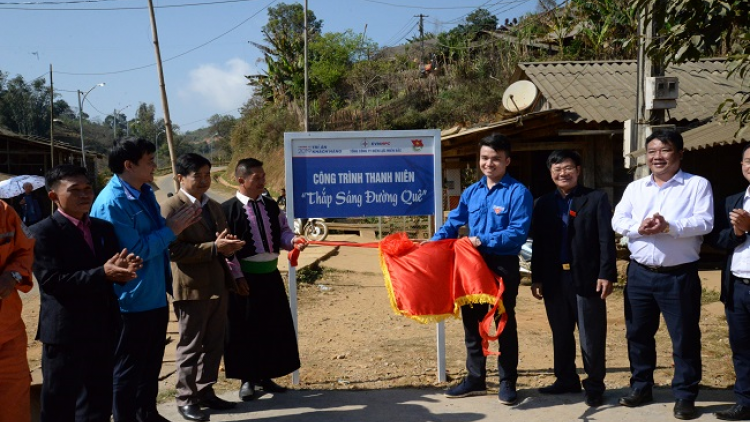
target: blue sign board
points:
(362, 174)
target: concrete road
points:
(423, 405)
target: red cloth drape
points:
(430, 282)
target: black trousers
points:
(77, 384)
(566, 310)
(677, 296)
(138, 357)
(738, 319)
(506, 266)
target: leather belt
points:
(657, 269)
(566, 267)
(745, 281)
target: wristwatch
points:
(16, 276)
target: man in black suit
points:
(730, 233)
(76, 261)
(573, 270)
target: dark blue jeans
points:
(738, 319)
(677, 296)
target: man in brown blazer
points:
(201, 282)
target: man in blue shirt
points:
(128, 202)
(497, 211)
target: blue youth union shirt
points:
(500, 217)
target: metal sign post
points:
(364, 174)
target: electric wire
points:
(110, 9)
(172, 57)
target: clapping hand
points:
(122, 267)
(653, 225)
(227, 243)
(184, 217)
(740, 220)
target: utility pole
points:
(421, 36)
(307, 107)
(649, 23)
(164, 101)
(51, 120)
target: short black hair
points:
(560, 155)
(53, 177)
(244, 166)
(745, 148)
(190, 163)
(129, 148)
(668, 137)
(497, 142)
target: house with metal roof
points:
(585, 106)
(26, 154)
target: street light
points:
(211, 146)
(81, 99)
(156, 141)
(114, 120)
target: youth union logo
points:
(417, 144)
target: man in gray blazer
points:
(201, 282)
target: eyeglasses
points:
(560, 170)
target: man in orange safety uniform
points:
(16, 258)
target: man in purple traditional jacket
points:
(261, 343)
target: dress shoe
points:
(247, 391)
(507, 394)
(594, 400)
(685, 409)
(150, 416)
(466, 389)
(271, 387)
(192, 412)
(559, 388)
(737, 412)
(637, 397)
(213, 402)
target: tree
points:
(221, 127)
(608, 27)
(332, 58)
(695, 28)
(481, 20)
(25, 106)
(456, 44)
(283, 79)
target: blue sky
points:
(205, 47)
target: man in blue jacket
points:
(128, 202)
(497, 212)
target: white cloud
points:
(223, 87)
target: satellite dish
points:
(519, 96)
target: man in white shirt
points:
(664, 217)
(730, 234)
